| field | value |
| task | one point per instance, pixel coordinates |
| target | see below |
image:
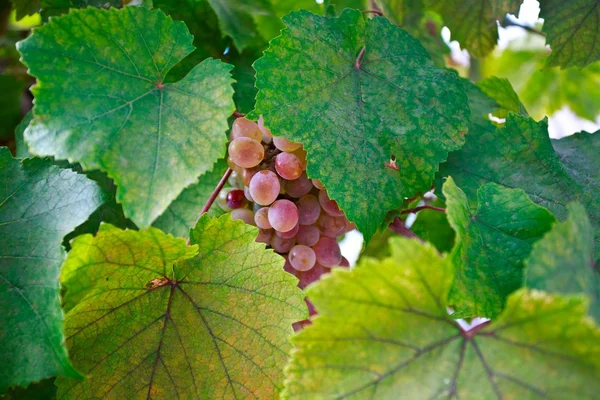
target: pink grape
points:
(328, 205)
(283, 215)
(285, 145)
(317, 183)
(288, 166)
(345, 263)
(312, 275)
(298, 187)
(302, 257)
(243, 127)
(261, 218)
(328, 252)
(331, 226)
(264, 187)
(264, 236)
(308, 209)
(247, 194)
(282, 245)
(246, 152)
(267, 136)
(236, 199)
(289, 234)
(308, 235)
(244, 214)
(247, 174)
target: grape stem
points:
(237, 114)
(399, 228)
(420, 208)
(214, 195)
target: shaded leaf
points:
(166, 320)
(433, 227)
(183, 213)
(571, 30)
(392, 104)
(39, 204)
(10, 105)
(520, 155)
(562, 261)
(383, 332)
(492, 243)
(43, 390)
(502, 91)
(22, 151)
(476, 29)
(152, 138)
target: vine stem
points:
(420, 208)
(213, 196)
(376, 12)
(237, 114)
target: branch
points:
(214, 195)
(376, 12)
(237, 114)
(509, 22)
(420, 208)
(399, 228)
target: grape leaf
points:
(39, 204)
(433, 227)
(521, 155)
(492, 244)
(502, 91)
(546, 90)
(369, 91)
(21, 147)
(207, 321)
(43, 390)
(152, 138)
(383, 333)
(476, 29)
(183, 213)
(571, 30)
(562, 261)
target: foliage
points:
(128, 264)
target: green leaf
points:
(355, 119)
(43, 390)
(169, 321)
(562, 261)
(152, 138)
(183, 213)
(24, 8)
(520, 155)
(10, 105)
(21, 146)
(571, 30)
(383, 332)
(546, 90)
(502, 91)
(39, 204)
(473, 22)
(492, 243)
(433, 227)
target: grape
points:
(247, 174)
(247, 194)
(261, 218)
(243, 127)
(317, 183)
(289, 234)
(328, 252)
(298, 187)
(283, 215)
(285, 145)
(308, 209)
(267, 136)
(345, 262)
(282, 245)
(328, 205)
(244, 214)
(302, 257)
(246, 152)
(301, 154)
(288, 166)
(221, 200)
(264, 236)
(305, 278)
(234, 167)
(308, 235)
(264, 187)
(236, 199)
(331, 226)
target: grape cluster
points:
(271, 190)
